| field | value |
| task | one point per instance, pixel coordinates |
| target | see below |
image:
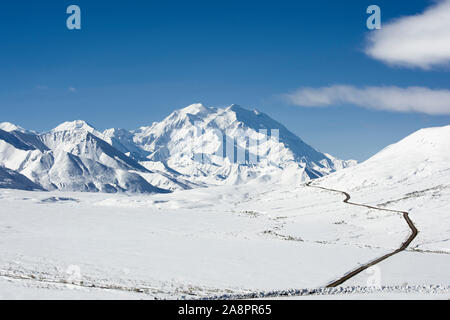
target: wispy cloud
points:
(422, 40)
(72, 89)
(391, 98)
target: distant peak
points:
(234, 107)
(75, 125)
(115, 130)
(8, 127)
(195, 108)
(243, 111)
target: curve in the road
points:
(404, 245)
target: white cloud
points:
(72, 89)
(422, 40)
(410, 99)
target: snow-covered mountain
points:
(82, 162)
(81, 139)
(192, 147)
(207, 145)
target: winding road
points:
(405, 244)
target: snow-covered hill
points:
(421, 158)
(411, 175)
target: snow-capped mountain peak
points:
(195, 108)
(201, 132)
(76, 125)
(81, 139)
(8, 127)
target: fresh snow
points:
(263, 237)
(202, 241)
(197, 243)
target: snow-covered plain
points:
(194, 243)
(202, 242)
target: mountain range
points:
(196, 146)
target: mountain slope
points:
(122, 140)
(411, 175)
(10, 179)
(81, 139)
(25, 153)
(64, 171)
(421, 158)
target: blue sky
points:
(134, 62)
